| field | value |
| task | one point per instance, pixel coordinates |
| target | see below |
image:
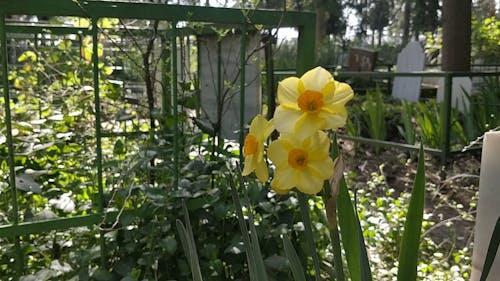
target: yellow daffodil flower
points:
(253, 148)
(310, 103)
(303, 164)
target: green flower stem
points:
(331, 214)
(304, 210)
(330, 198)
(337, 254)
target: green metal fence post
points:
(243, 62)
(97, 110)
(10, 144)
(306, 45)
(445, 118)
(173, 62)
(270, 87)
(220, 88)
(35, 44)
(198, 77)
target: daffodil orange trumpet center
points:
(310, 101)
(297, 158)
(250, 146)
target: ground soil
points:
(451, 191)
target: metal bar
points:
(154, 11)
(445, 118)
(220, 88)
(389, 144)
(13, 27)
(45, 226)
(39, 101)
(353, 74)
(133, 134)
(175, 111)
(198, 77)
(48, 225)
(40, 28)
(10, 144)
(243, 61)
(413, 74)
(306, 46)
(97, 110)
(270, 92)
(8, 121)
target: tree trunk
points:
(406, 23)
(493, 8)
(456, 35)
(321, 19)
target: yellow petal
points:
(269, 128)
(307, 125)
(284, 178)
(258, 127)
(323, 168)
(249, 165)
(309, 182)
(335, 118)
(317, 142)
(279, 190)
(259, 156)
(315, 80)
(262, 172)
(288, 91)
(343, 94)
(328, 91)
(329, 88)
(278, 153)
(285, 119)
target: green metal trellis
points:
(95, 10)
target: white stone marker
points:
(488, 207)
(458, 98)
(230, 63)
(411, 58)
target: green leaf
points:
(492, 251)
(350, 229)
(102, 275)
(188, 244)
(27, 55)
(169, 244)
(119, 148)
(293, 258)
(253, 253)
(304, 211)
(259, 261)
(352, 237)
(277, 263)
(408, 253)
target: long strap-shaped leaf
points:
(408, 253)
(254, 238)
(492, 251)
(352, 236)
(254, 258)
(293, 258)
(188, 244)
